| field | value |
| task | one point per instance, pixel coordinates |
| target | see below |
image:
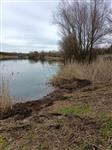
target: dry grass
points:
(98, 71)
(6, 101)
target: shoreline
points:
(36, 105)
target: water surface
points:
(28, 80)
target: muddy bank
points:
(74, 118)
(23, 110)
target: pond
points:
(28, 80)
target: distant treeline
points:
(52, 54)
(33, 55)
(43, 55)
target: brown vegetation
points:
(6, 101)
(98, 71)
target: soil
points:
(42, 125)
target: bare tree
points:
(87, 22)
(110, 20)
(110, 16)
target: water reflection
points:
(43, 61)
(29, 79)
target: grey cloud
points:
(32, 24)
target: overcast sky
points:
(27, 26)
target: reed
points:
(98, 71)
(6, 101)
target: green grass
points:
(88, 145)
(3, 142)
(81, 110)
(102, 116)
(107, 128)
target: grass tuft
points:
(107, 129)
(3, 142)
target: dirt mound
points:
(73, 84)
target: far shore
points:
(35, 56)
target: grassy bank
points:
(3, 57)
(12, 56)
(76, 116)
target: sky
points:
(27, 25)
